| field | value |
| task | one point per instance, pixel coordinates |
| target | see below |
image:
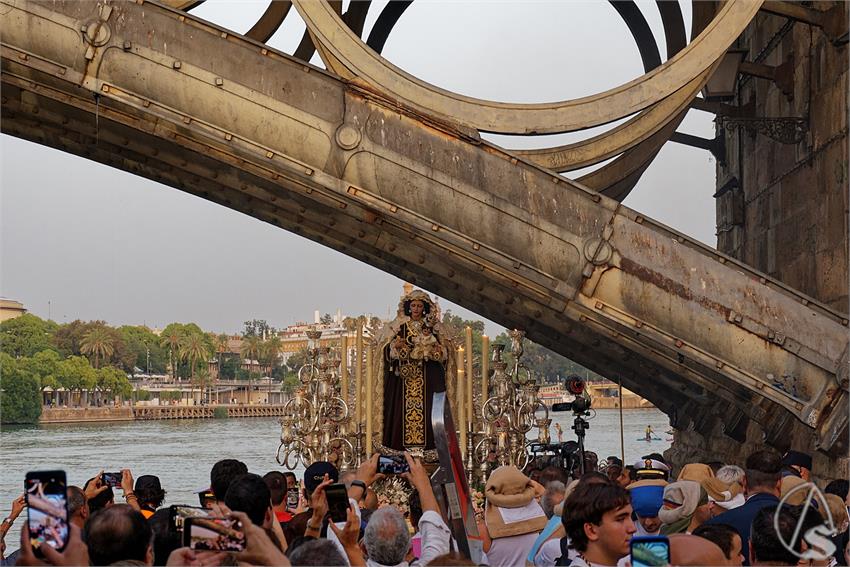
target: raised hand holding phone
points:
(47, 508)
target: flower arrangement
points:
(393, 491)
(477, 502)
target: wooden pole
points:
(368, 401)
(622, 441)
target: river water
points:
(182, 452)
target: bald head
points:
(687, 549)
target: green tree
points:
(140, 343)
(326, 319)
(75, 373)
(112, 380)
(221, 344)
(26, 335)
(43, 366)
(170, 339)
(251, 347)
(270, 353)
(99, 343)
(21, 393)
(290, 383)
(258, 328)
(545, 365)
(194, 348)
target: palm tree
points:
(193, 347)
(171, 341)
(251, 347)
(98, 342)
(271, 356)
(222, 344)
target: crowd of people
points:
(710, 513)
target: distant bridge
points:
(393, 173)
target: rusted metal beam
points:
(411, 194)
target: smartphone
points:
(111, 479)
(337, 496)
(292, 498)
(390, 464)
(213, 534)
(47, 508)
(179, 515)
(650, 551)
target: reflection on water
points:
(182, 452)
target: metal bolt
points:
(177, 64)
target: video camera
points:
(581, 404)
(580, 407)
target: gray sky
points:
(99, 243)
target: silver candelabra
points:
(315, 421)
(510, 412)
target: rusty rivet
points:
(264, 51)
(599, 305)
(361, 233)
(105, 88)
(146, 103)
(228, 137)
(127, 46)
(639, 324)
(476, 246)
(639, 219)
(269, 155)
(343, 205)
(582, 318)
(762, 280)
(219, 81)
(435, 227)
(393, 208)
(187, 119)
(844, 322)
(596, 198)
(721, 260)
(679, 344)
(176, 64)
(719, 364)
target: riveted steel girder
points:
(228, 119)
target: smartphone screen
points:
(650, 551)
(292, 498)
(47, 508)
(111, 479)
(179, 514)
(213, 534)
(392, 465)
(337, 496)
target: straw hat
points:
(511, 507)
(718, 491)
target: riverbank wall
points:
(146, 413)
(75, 415)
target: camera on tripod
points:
(579, 406)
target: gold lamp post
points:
(313, 427)
(509, 411)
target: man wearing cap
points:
(313, 477)
(652, 468)
(762, 481)
(647, 498)
(797, 463)
(150, 494)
